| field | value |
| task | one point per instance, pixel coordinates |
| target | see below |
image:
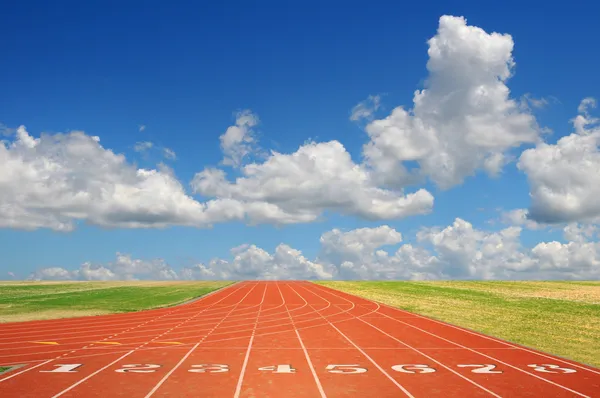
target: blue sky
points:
(183, 70)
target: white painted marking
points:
(310, 365)
(425, 355)
(209, 368)
(481, 368)
(345, 369)
(544, 368)
(93, 374)
(413, 368)
(386, 374)
(26, 370)
(487, 337)
(138, 368)
(160, 383)
(137, 348)
(238, 388)
(278, 369)
(67, 368)
(477, 352)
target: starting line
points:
(332, 368)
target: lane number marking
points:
(138, 368)
(209, 368)
(66, 368)
(413, 368)
(481, 368)
(544, 368)
(345, 369)
(279, 369)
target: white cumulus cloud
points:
(302, 185)
(238, 141)
(564, 178)
(463, 121)
(365, 109)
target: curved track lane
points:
(276, 339)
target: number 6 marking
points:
(414, 369)
(542, 368)
(481, 368)
(345, 369)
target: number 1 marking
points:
(67, 368)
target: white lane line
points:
(134, 318)
(422, 353)
(386, 374)
(238, 388)
(93, 374)
(480, 353)
(135, 349)
(490, 357)
(495, 339)
(26, 370)
(160, 383)
(116, 334)
(310, 365)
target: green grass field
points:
(23, 301)
(561, 318)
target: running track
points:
(276, 339)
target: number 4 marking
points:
(543, 368)
(481, 368)
(279, 369)
(345, 369)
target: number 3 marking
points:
(543, 368)
(345, 369)
(209, 368)
(481, 368)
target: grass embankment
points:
(562, 318)
(24, 301)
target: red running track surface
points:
(276, 339)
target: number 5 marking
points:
(543, 368)
(481, 368)
(345, 369)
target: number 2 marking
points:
(481, 368)
(544, 368)
(138, 368)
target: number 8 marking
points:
(543, 368)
